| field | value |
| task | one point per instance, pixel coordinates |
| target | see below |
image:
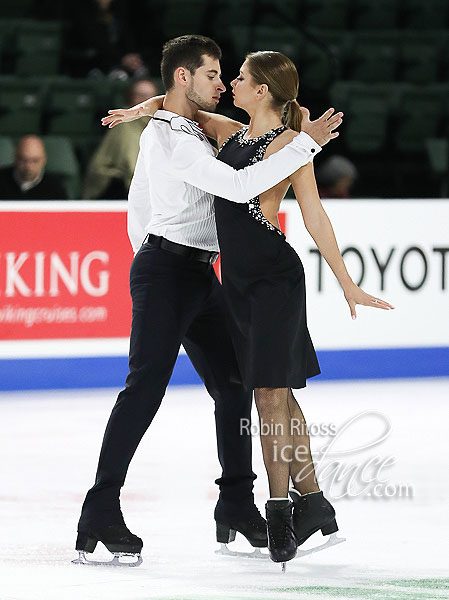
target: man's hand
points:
(322, 129)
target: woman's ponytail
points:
(292, 115)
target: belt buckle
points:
(213, 258)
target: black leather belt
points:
(204, 256)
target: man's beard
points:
(200, 102)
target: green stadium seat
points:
(342, 93)
(276, 13)
(61, 161)
(421, 55)
(438, 153)
(183, 16)
(421, 114)
(72, 107)
(241, 40)
(367, 109)
(326, 14)
(366, 130)
(314, 60)
(425, 14)
(338, 45)
(339, 94)
(8, 28)
(444, 62)
(6, 151)
(15, 8)
(227, 13)
(85, 147)
(286, 40)
(316, 66)
(38, 48)
(20, 106)
(109, 93)
(377, 14)
(372, 57)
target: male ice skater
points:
(176, 297)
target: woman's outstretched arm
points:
(215, 126)
(218, 127)
(147, 108)
(320, 228)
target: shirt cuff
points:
(304, 141)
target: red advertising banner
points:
(64, 275)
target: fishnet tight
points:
(285, 442)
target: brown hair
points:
(186, 51)
(279, 73)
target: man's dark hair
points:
(186, 51)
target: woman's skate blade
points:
(115, 562)
(256, 553)
(333, 540)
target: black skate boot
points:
(281, 537)
(312, 512)
(248, 521)
(118, 540)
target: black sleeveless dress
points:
(263, 282)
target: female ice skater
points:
(263, 281)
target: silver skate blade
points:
(333, 540)
(115, 562)
(224, 551)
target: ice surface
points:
(396, 547)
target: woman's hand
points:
(355, 295)
(125, 115)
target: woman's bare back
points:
(270, 200)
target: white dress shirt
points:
(177, 175)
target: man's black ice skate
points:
(312, 512)
(281, 537)
(117, 539)
(251, 525)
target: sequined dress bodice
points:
(239, 153)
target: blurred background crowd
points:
(64, 63)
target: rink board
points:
(111, 371)
(65, 307)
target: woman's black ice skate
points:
(311, 513)
(117, 538)
(281, 537)
(254, 528)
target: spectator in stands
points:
(26, 179)
(102, 42)
(111, 168)
(335, 177)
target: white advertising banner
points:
(397, 250)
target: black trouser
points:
(175, 301)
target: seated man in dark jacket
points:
(26, 178)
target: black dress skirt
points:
(263, 282)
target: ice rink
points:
(394, 433)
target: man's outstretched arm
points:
(191, 163)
